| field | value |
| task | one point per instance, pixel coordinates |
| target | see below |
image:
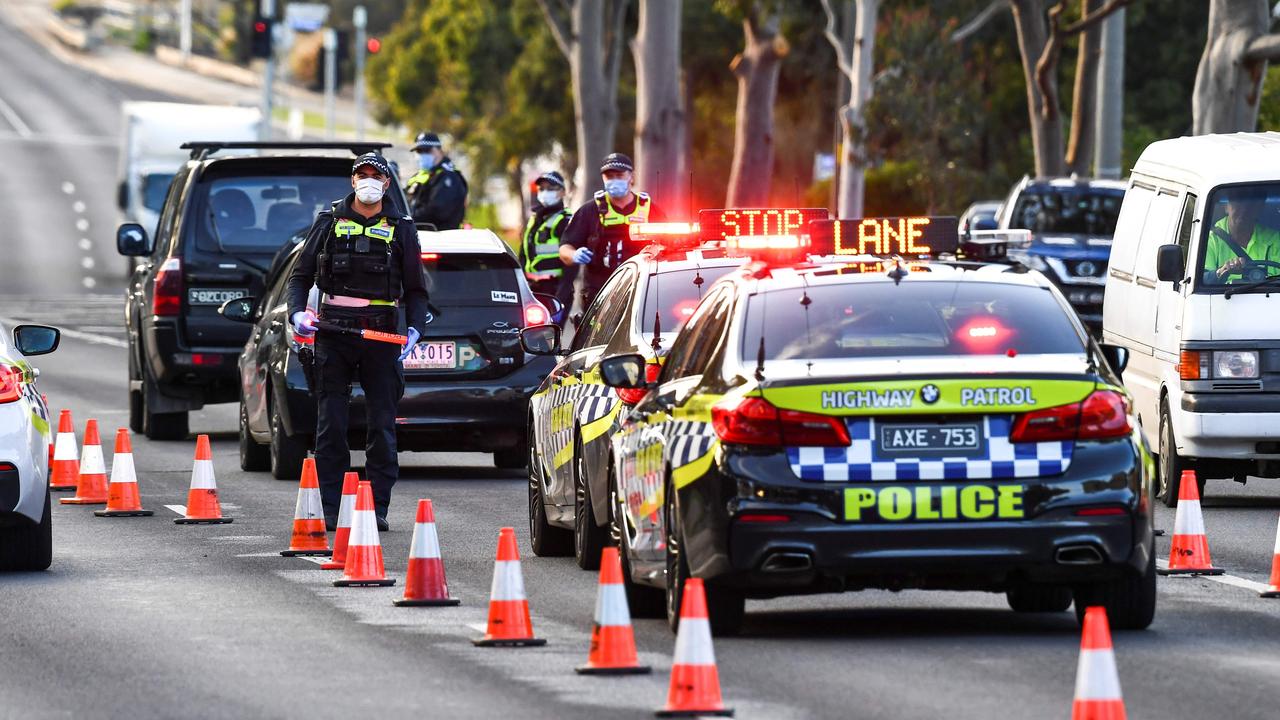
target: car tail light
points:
(166, 299)
(10, 383)
(1104, 414)
(1193, 365)
(430, 257)
(631, 396)
(756, 421)
(1100, 511)
(764, 518)
(536, 314)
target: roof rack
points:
(201, 150)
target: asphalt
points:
(143, 618)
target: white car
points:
(26, 540)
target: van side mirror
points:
(1169, 263)
(1117, 357)
(132, 240)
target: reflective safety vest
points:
(541, 244)
(615, 228)
(359, 261)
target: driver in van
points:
(1242, 226)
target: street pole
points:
(269, 74)
(1110, 118)
(330, 81)
(360, 19)
(184, 29)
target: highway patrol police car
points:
(867, 423)
(26, 540)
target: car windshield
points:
(674, 295)
(1241, 245)
(1068, 210)
(921, 318)
(261, 213)
(154, 187)
(481, 279)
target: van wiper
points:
(1270, 280)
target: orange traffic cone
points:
(424, 583)
(509, 623)
(202, 499)
(122, 493)
(1273, 587)
(1189, 554)
(350, 482)
(364, 551)
(695, 682)
(66, 463)
(91, 487)
(613, 643)
(308, 517)
(1097, 684)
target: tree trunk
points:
(1030, 19)
(751, 175)
(846, 23)
(660, 116)
(594, 112)
(853, 158)
(1229, 84)
(1084, 102)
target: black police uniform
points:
(439, 195)
(610, 244)
(378, 259)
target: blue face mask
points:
(616, 188)
(426, 160)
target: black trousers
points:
(340, 360)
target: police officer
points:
(438, 192)
(365, 260)
(597, 236)
(540, 242)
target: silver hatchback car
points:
(26, 540)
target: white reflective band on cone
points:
(64, 447)
(1188, 520)
(364, 529)
(611, 606)
(202, 476)
(1096, 677)
(693, 643)
(308, 506)
(508, 584)
(425, 543)
(345, 510)
(91, 461)
(122, 468)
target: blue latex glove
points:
(304, 323)
(413, 336)
(582, 256)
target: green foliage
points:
(1269, 106)
(144, 40)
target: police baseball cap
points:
(426, 141)
(553, 177)
(373, 160)
(616, 161)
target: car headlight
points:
(1236, 364)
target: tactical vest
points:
(615, 228)
(542, 244)
(359, 261)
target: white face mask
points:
(369, 190)
(549, 197)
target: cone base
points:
(725, 712)
(307, 553)
(440, 602)
(371, 582)
(1270, 593)
(82, 501)
(123, 513)
(602, 670)
(509, 642)
(202, 521)
(62, 488)
(1190, 571)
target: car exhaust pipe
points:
(787, 562)
(1077, 555)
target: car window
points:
(606, 311)
(1241, 240)
(1186, 225)
(164, 226)
(1068, 210)
(910, 319)
(674, 294)
(260, 213)
(155, 187)
(480, 279)
(699, 340)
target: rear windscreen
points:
(1068, 210)
(261, 213)
(481, 279)
(910, 319)
(675, 294)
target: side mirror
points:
(36, 339)
(541, 339)
(624, 371)
(1169, 263)
(1118, 357)
(238, 309)
(122, 195)
(551, 302)
(132, 240)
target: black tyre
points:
(162, 426)
(547, 540)
(643, 601)
(513, 459)
(287, 453)
(588, 537)
(27, 545)
(726, 607)
(1130, 601)
(135, 411)
(253, 457)
(1038, 598)
(1171, 463)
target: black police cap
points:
(617, 161)
(373, 160)
(426, 141)
(553, 177)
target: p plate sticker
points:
(503, 297)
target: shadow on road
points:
(905, 623)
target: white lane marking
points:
(85, 244)
(78, 206)
(180, 509)
(89, 282)
(12, 117)
(68, 187)
(1224, 579)
(312, 559)
(82, 225)
(76, 334)
(86, 262)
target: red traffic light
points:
(260, 27)
(373, 45)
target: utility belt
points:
(384, 320)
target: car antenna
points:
(764, 310)
(656, 342)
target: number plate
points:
(214, 296)
(433, 356)
(930, 440)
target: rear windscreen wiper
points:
(217, 237)
(1271, 279)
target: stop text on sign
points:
(743, 222)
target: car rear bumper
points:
(197, 374)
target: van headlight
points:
(1235, 364)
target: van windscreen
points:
(1240, 245)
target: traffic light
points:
(373, 45)
(261, 45)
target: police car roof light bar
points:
(201, 149)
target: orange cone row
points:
(122, 493)
(91, 483)
(348, 507)
(1097, 682)
(65, 467)
(1189, 553)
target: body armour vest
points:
(615, 228)
(360, 261)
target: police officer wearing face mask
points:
(540, 242)
(438, 192)
(599, 233)
(365, 260)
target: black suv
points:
(223, 221)
(467, 384)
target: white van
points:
(1193, 292)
